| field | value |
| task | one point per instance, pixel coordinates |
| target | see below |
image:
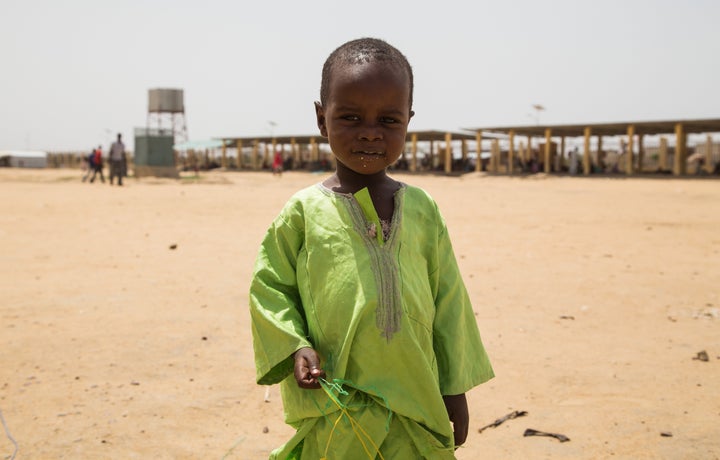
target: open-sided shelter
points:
(629, 130)
(309, 150)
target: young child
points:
(357, 304)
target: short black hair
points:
(363, 50)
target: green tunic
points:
(392, 319)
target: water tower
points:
(154, 153)
(166, 113)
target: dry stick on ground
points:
(10, 436)
(559, 437)
(498, 422)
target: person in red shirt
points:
(277, 166)
(97, 165)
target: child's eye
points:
(388, 120)
(350, 117)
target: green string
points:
(337, 384)
(330, 389)
(334, 389)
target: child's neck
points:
(347, 181)
(380, 186)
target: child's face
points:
(366, 115)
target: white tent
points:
(23, 158)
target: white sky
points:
(75, 72)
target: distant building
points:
(23, 158)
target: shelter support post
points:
(495, 156)
(586, 152)
(271, 157)
(663, 154)
(511, 151)
(448, 153)
(294, 152)
(478, 159)
(529, 152)
(630, 149)
(561, 154)
(709, 167)
(223, 160)
(266, 155)
(548, 141)
(431, 160)
(413, 147)
(600, 154)
(314, 153)
(239, 154)
(641, 153)
(679, 165)
(255, 154)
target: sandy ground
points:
(593, 297)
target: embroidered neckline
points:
(383, 259)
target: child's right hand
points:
(307, 368)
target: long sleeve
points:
(278, 321)
(461, 357)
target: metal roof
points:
(438, 135)
(198, 145)
(574, 130)
(305, 139)
(301, 139)
(23, 153)
(609, 129)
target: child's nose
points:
(370, 132)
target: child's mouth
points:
(368, 153)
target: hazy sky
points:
(74, 72)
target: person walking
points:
(117, 160)
(87, 166)
(277, 166)
(97, 165)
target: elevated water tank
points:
(165, 100)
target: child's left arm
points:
(461, 358)
(457, 410)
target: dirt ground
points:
(594, 298)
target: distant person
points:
(117, 160)
(574, 161)
(87, 166)
(277, 166)
(535, 166)
(97, 165)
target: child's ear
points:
(412, 114)
(320, 115)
